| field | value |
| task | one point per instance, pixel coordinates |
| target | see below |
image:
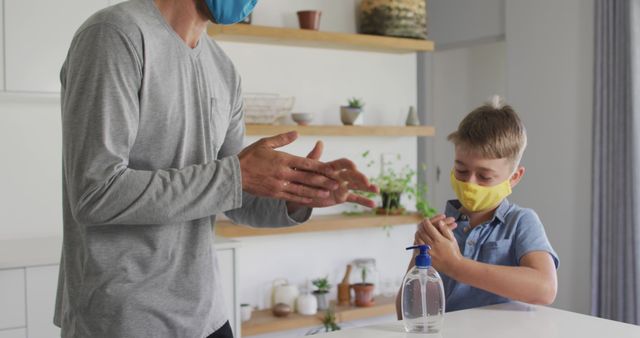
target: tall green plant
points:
(404, 181)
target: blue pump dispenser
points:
(423, 260)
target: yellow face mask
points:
(477, 198)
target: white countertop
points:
(19, 253)
(511, 320)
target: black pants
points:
(223, 332)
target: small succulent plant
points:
(322, 285)
(355, 103)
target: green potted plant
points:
(393, 184)
(363, 290)
(329, 323)
(350, 113)
(322, 290)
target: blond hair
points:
(492, 130)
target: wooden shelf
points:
(319, 39)
(228, 229)
(375, 131)
(264, 321)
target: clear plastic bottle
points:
(422, 299)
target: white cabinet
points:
(42, 284)
(12, 295)
(29, 281)
(14, 333)
(227, 260)
(37, 37)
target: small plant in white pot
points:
(322, 290)
(350, 113)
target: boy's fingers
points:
(424, 237)
(445, 231)
(418, 240)
(437, 218)
(431, 230)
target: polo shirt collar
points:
(452, 209)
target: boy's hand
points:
(445, 252)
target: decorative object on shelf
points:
(412, 117)
(364, 291)
(265, 108)
(302, 119)
(344, 290)
(283, 292)
(350, 113)
(370, 274)
(281, 310)
(245, 312)
(393, 184)
(247, 20)
(329, 323)
(400, 18)
(309, 19)
(322, 290)
(307, 304)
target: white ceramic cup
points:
(245, 312)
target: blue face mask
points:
(228, 12)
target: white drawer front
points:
(14, 333)
(42, 282)
(12, 296)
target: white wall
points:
(321, 80)
(549, 81)
(460, 23)
(545, 69)
(463, 78)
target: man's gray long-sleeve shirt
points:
(151, 129)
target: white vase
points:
(283, 292)
(307, 304)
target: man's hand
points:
(346, 173)
(270, 173)
(436, 232)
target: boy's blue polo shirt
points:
(503, 240)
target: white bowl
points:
(302, 119)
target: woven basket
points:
(401, 18)
(264, 108)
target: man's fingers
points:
(312, 179)
(307, 164)
(316, 152)
(304, 191)
(354, 198)
(280, 140)
(342, 164)
(283, 195)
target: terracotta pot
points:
(364, 294)
(309, 19)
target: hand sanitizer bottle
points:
(422, 299)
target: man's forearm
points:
(518, 283)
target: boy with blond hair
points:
(487, 249)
